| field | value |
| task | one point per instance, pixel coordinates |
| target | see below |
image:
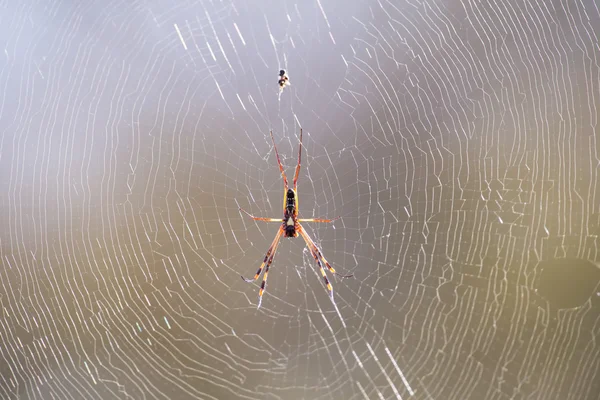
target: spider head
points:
(290, 228)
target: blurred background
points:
(457, 140)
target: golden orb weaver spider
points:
(291, 227)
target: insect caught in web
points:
(291, 227)
(283, 80)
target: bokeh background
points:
(458, 141)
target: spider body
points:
(283, 79)
(290, 215)
(290, 227)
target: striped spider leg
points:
(318, 256)
(266, 261)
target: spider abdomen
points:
(290, 203)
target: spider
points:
(291, 227)
(283, 80)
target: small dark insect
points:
(283, 79)
(290, 227)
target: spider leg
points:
(316, 257)
(260, 218)
(268, 257)
(285, 181)
(312, 246)
(299, 157)
(318, 219)
(264, 281)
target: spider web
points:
(457, 140)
